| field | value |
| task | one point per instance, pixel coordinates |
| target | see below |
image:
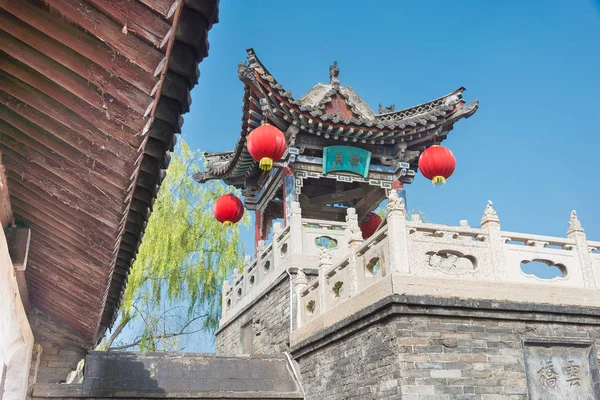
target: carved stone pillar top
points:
(352, 225)
(296, 210)
(574, 224)
(395, 203)
(489, 215)
(301, 279)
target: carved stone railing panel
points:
(372, 261)
(564, 259)
(310, 241)
(310, 304)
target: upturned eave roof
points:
(417, 125)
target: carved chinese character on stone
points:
(572, 370)
(547, 375)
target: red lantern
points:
(437, 163)
(228, 209)
(369, 226)
(266, 144)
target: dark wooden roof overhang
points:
(417, 126)
(91, 97)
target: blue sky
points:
(533, 145)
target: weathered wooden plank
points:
(94, 151)
(72, 314)
(79, 332)
(47, 277)
(73, 62)
(5, 210)
(75, 217)
(54, 110)
(92, 245)
(77, 182)
(78, 198)
(81, 234)
(71, 263)
(37, 138)
(82, 43)
(135, 18)
(34, 152)
(107, 30)
(31, 192)
(112, 118)
(60, 240)
(164, 7)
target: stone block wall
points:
(392, 355)
(261, 328)
(56, 362)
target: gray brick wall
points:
(430, 358)
(268, 320)
(56, 362)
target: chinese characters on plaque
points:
(346, 158)
(561, 370)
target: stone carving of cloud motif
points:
(453, 263)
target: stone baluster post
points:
(295, 242)
(397, 234)
(491, 223)
(355, 239)
(576, 233)
(324, 267)
(277, 229)
(301, 283)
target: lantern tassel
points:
(228, 224)
(266, 163)
(438, 181)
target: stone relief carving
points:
(560, 370)
(451, 262)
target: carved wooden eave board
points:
(91, 95)
(332, 113)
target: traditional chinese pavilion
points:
(340, 153)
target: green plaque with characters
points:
(346, 159)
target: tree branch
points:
(165, 336)
(119, 329)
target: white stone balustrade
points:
(295, 246)
(349, 265)
(485, 254)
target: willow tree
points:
(174, 287)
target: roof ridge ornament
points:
(334, 73)
(388, 109)
(574, 224)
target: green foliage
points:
(175, 282)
